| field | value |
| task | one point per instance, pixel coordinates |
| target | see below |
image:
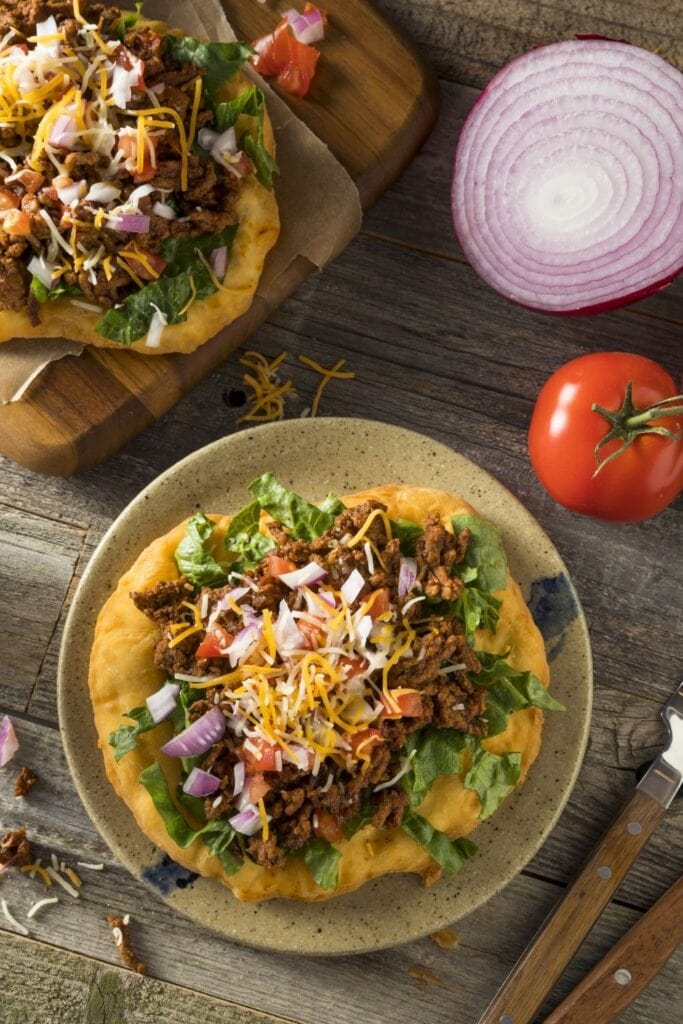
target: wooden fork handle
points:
(631, 965)
(545, 958)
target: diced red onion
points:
(42, 269)
(287, 635)
(311, 573)
(103, 192)
(247, 822)
(164, 210)
(352, 586)
(239, 778)
(48, 28)
(136, 222)
(162, 703)
(9, 744)
(225, 143)
(250, 617)
(63, 132)
(568, 191)
(206, 137)
(124, 80)
(308, 27)
(140, 192)
(223, 603)
(243, 640)
(363, 629)
(297, 755)
(328, 597)
(200, 783)
(70, 194)
(219, 261)
(156, 327)
(198, 737)
(407, 574)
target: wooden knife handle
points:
(631, 965)
(545, 958)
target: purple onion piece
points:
(242, 641)
(200, 783)
(240, 777)
(219, 261)
(162, 703)
(311, 573)
(134, 222)
(9, 744)
(407, 574)
(287, 635)
(248, 821)
(198, 737)
(352, 586)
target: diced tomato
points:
(328, 827)
(258, 787)
(380, 602)
(215, 644)
(8, 200)
(281, 54)
(128, 144)
(277, 566)
(16, 222)
(363, 742)
(31, 180)
(409, 705)
(312, 634)
(352, 666)
(262, 761)
(157, 264)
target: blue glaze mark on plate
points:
(167, 875)
(553, 607)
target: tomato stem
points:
(629, 423)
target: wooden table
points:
(436, 350)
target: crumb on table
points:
(14, 848)
(119, 927)
(25, 781)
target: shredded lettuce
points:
(437, 752)
(220, 61)
(250, 136)
(322, 860)
(407, 533)
(509, 689)
(303, 520)
(192, 558)
(125, 738)
(449, 854)
(128, 20)
(244, 538)
(43, 294)
(218, 835)
(332, 505)
(484, 553)
(492, 777)
(184, 279)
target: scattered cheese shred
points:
(12, 920)
(267, 401)
(39, 904)
(37, 869)
(335, 372)
(195, 111)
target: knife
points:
(533, 977)
(629, 966)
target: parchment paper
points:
(319, 205)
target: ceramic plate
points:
(315, 457)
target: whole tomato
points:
(605, 436)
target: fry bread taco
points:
(136, 179)
(299, 698)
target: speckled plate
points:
(314, 457)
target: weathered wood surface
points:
(435, 350)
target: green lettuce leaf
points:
(303, 520)
(171, 292)
(492, 777)
(484, 552)
(509, 689)
(407, 533)
(43, 294)
(128, 20)
(322, 860)
(251, 138)
(332, 505)
(218, 835)
(192, 558)
(220, 61)
(477, 609)
(244, 539)
(125, 738)
(437, 752)
(450, 855)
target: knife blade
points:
(533, 977)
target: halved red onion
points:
(352, 586)
(247, 822)
(162, 703)
(135, 222)
(219, 261)
(198, 737)
(287, 635)
(9, 744)
(311, 573)
(309, 26)
(568, 184)
(407, 574)
(242, 641)
(239, 778)
(200, 783)
(63, 132)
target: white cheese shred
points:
(40, 904)
(22, 929)
(56, 877)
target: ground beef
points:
(128, 955)
(25, 781)
(15, 849)
(14, 283)
(436, 552)
(389, 808)
(162, 602)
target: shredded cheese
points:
(37, 869)
(267, 401)
(195, 111)
(335, 372)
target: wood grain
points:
(373, 102)
(621, 976)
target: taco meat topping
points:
(324, 659)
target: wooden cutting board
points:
(373, 102)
